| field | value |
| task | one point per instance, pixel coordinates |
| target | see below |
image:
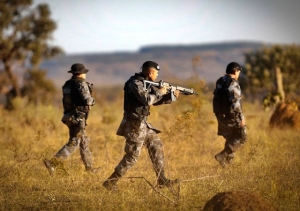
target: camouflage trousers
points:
(135, 140)
(233, 141)
(77, 139)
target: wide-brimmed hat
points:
(78, 68)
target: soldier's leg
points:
(66, 151)
(73, 143)
(132, 152)
(86, 155)
(232, 144)
(85, 152)
(226, 156)
(135, 136)
(221, 157)
(155, 151)
(156, 154)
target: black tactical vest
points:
(221, 104)
(132, 106)
(71, 98)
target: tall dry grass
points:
(267, 164)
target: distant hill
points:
(174, 60)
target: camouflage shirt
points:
(147, 97)
(137, 102)
(84, 92)
(77, 93)
(230, 113)
(235, 94)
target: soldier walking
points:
(77, 102)
(135, 128)
(227, 107)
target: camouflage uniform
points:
(76, 100)
(77, 104)
(137, 131)
(228, 110)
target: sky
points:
(92, 26)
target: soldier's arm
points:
(149, 97)
(165, 99)
(236, 105)
(85, 94)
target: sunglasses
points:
(239, 68)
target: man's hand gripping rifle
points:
(170, 87)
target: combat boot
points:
(90, 169)
(50, 165)
(111, 182)
(221, 158)
(230, 158)
(162, 181)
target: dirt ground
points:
(286, 115)
(238, 201)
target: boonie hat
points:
(151, 64)
(78, 68)
(231, 66)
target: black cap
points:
(78, 68)
(232, 66)
(151, 64)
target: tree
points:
(266, 67)
(25, 33)
(37, 87)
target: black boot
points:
(230, 158)
(162, 181)
(49, 166)
(222, 158)
(111, 182)
(52, 164)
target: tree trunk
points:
(279, 83)
(12, 78)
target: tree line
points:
(273, 70)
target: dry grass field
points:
(267, 165)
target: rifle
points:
(170, 87)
